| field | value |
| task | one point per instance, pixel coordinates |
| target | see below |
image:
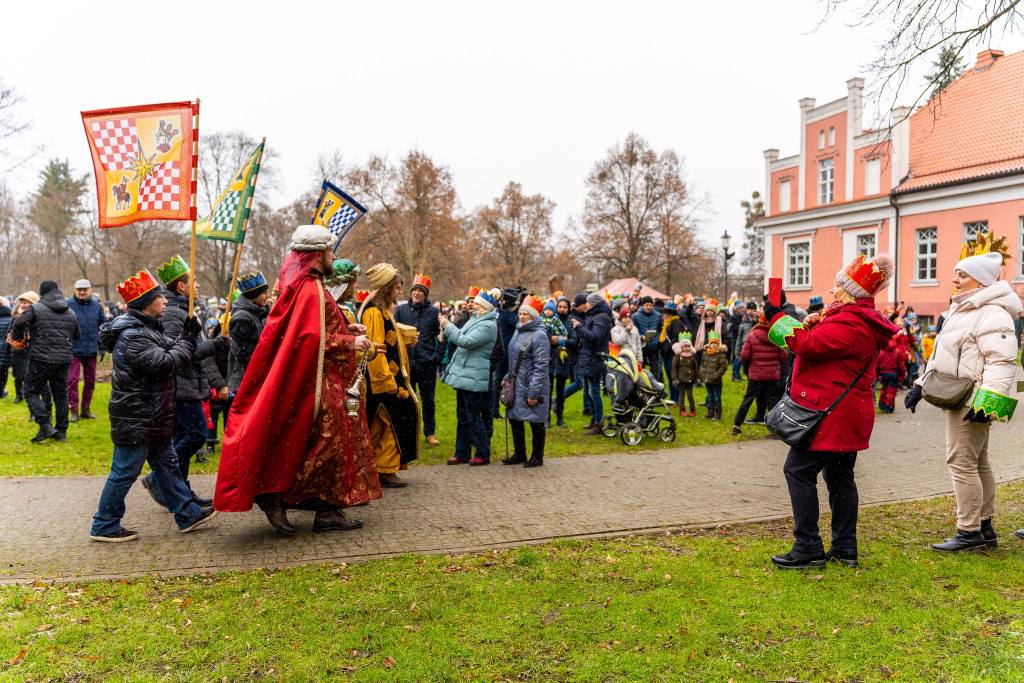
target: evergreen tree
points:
(948, 67)
(56, 207)
(753, 236)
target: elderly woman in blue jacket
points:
(469, 373)
(529, 355)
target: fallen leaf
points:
(90, 658)
(692, 655)
(43, 627)
(312, 590)
(610, 560)
(412, 608)
(816, 577)
(389, 662)
(18, 657)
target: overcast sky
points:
(531, 91)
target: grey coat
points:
(532, 379)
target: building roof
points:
(973, 129)
(626, 285)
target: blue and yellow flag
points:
(336, 211)
(230, 213)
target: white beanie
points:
(984, 268)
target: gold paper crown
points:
(135, 286)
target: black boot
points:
(717, 416)
(46, 431)
(847, 559)
(710, 415)
(149, 483)
(964, 540)
(989, 533)
(211, 447)
(18, 398)
(798, 560)
(334, 520)
(514, 460)
(1019, 533)
(274, 509)
(201, 457)
(561, 422)
(534, 461)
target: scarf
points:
(701, 337)
(964, 296)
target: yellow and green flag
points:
(230, 213)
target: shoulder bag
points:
(949, 392)
(796, 425)
(508, 392)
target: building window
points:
(831, 137)
(1020, 246)
(867, 244)
(926, 248)
(821, 139)
(872, 177)
(798, 264)
(974, 229)
(784, 196)
(826, 168)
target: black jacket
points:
(675, 328)
(424, 356)
(142, 387)
(247, 321)
(5, 327)
(192, 384)
(52, 329)
(595, 335)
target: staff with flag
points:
(337, 212)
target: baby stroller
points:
(640, 404)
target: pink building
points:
(950, 170)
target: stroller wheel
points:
(632, 433)
(668, 434)
(609, 427)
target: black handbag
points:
(796, 425)
(508, 392)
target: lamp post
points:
(726, 241)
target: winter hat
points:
(47, 286)
(312, 238)
(30, 296)
(549, 306)
(862, 279)
(487, 300)
(579, 300)
(671, 306)
(984, 268)
(644, 300)
(533, 306)
(624, 313)
(422, 282)
(815, 304)
(618, 304)
(83, 284)
(595, 299)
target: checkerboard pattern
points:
(161, 189)
(342, 217)
(115, 143)
(227, 210)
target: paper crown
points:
(422, 281)
(714, 337)
(169, 271)
(865, 274)
(362, 295)
(488, 297)
(686, 336)
(670, 305)
(814, 300)
(534, 303)
(135, 286)
(473, 291)
(711, 302)
(251, 281)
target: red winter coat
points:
(891, 358)
(764, 359)
(828, 357)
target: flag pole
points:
(238, 254)
(195, 184)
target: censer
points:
(354, 393)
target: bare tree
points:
(515, 230)
(12, 128)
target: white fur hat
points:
(984, 268)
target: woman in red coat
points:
(831, 350)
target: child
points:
(928, 343)
(891, 371)
(684, 372)
(712, 368)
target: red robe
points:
(272, 427)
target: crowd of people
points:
(356, 372)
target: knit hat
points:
(618, 303)
(984, 268)
(644, 300)
(422, 282)
(47, 286)
(579, 300)
(487, 300)
(624, 313)
(549, 306)
(863, 278)
(595, 299)
(30, 296)
(533, 306)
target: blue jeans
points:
(737, 363)
(472, 411)
(593, 389)
(125, 469)
(575, 385)
(426, 382)
(190, 432)
(714, 397)
(673, 392)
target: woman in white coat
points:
(625, 334)
(977, 341)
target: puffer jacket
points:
(713, 366)
(247, 320)
(626, 337)
(684, 368)
(470, 365)
(52, 329)
(648, 321)
(595, 335)
(90, 317)
(762, 358)
(192, 384)
(979, 332)
(424, 356)
(142, 387)
(532, 378)
(5, 326)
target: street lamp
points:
(726, 241)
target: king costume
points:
(289, 442)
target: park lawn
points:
(697, 606)
(88, 449)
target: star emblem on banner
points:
(141, 165)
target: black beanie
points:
(579, 300)
(146, 299)
(646, 300)
(47, 286)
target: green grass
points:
(88, 449)
(700, 606)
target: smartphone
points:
(775, 291)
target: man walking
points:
(90, 316)
(52, 328)
(423, 359)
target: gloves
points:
(912, 398)
(771, 310)
(193, 328)
(972, 416)
(220, 342)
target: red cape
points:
(271, 418)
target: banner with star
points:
(230, 214)
(143, 161)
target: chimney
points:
(987, 59)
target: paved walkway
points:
(448, 509)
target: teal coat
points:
(470, 367)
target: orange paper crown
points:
(473, 291)
(135, 286)
(865, 274)
(711, 302)
(534, 303)
(421, 280)
(361, 295)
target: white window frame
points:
(933, 256)
(826, 181)
(874, 243)
(790, 283)
(821, 139)
(785, 196)
(1020, 250)
(832, 136)
(973, 228)
(872, 176)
